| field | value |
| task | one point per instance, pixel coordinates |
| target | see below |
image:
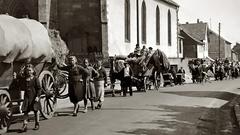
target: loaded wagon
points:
(147, 70)
(23, 40)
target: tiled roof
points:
(171, 2)
(197, 30)
(212, 32)
(189, 35)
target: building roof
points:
(226, 41)
(197, 30)
(185, 33)
(171, 2)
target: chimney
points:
(44, 12)
(198, 21)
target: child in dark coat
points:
(32, 93)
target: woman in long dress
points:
(76, 83)
(88, 84)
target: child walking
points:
(32, 93)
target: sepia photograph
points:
(119, 67)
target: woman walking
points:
(88, 84)
(76, 90)
(32, 93)
(100, 82)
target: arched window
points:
(127, 21)
(144, 23)
(157, 26)
(169, 28)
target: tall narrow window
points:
(127, 21)
(157, 26)
(169, 28)
(144, 23)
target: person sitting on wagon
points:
(32, 93)
(143, 51)
(137, 50)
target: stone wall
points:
(80, 26)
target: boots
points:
(24, 128)
(37, 126)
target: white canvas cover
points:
(41, 47)
(23, 38)
(15, 40)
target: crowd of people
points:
(218, 69)
(86, 83)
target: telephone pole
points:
(219, 39)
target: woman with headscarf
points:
(76, 90)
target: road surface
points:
(190, 109)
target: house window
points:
(157, 26)
(169, 28)
(180, 45)
(144, 23)
(127, 21)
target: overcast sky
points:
(227, 12)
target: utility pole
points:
(219, 39)
(137, 1)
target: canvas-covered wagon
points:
(22, 40)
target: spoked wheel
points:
(5, 111)
(48, 98)
(145, 85)
(157, 80)
(61, 79)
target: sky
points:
(226, 12)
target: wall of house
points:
(205, 46)
(228, 51)
(189, 48)
(200, 51)
(20, 8)
(116, 39)
(213, 46)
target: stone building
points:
(107, 27)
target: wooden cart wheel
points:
(48, 98)
(145, 85)
(5, 111)
(61, 79)
(157, 80)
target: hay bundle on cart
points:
(21, 40)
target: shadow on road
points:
(211, 94)
(183, 121)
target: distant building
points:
(214, 51)
(195, 42)
(236, 51)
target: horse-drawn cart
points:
(21, 40)
(147, 70)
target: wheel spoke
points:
(50, 86)
(49, 104)
(48, 81)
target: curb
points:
(237, 113)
